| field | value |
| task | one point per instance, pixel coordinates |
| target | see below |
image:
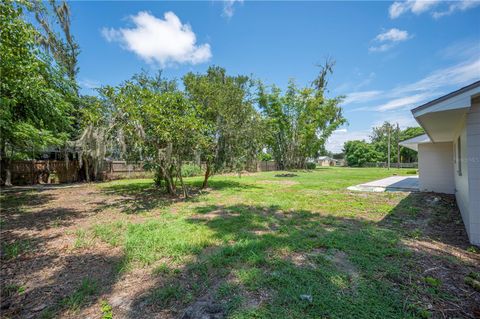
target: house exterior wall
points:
(435, 164)
(462, 193)
(472, 161)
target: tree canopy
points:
(233, 128)
(299, 121)
(225, 121)
(357, 153)
(35, 96)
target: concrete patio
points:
(389, 184)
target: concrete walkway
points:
(389, 184)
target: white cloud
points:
(363, 96)
(229, 7)
(462, 5)
(165, 41)
(406, 101)
(409, 95)
(420, 6)
(394, 35)
(339, 137)
(462, 49)
(415, 6)
(404, 120)
(389, 39)
(456, 75)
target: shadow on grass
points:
(141, 197)
(268, 259)
(260, 262)
(14, 217)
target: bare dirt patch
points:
(435, 234)
(44, 276)
(337, 257)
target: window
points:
(459, 154)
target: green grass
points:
(79, 297)
(256, 244)
(239, 237)
(13, 250)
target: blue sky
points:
(390, 56)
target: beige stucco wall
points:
(462, 192)
(435, 165)
(472, 161)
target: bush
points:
(311, 165)
(189, 170)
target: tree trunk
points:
(207, 175)
(184, 188)
(87, 171)
(8, 173)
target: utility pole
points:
(388, 157)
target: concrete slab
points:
(389, 184)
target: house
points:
(449, 152)
(325, 161)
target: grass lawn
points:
(264, 245)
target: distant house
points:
(449, 152)
(325, 161)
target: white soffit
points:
(413, 142)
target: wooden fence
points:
(266, 166)
(54, 172)
(122, 169)
(34, 172)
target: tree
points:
(379, 138)
(407, 155)
(158, 124)
(35, 96)
(300, 121)
(61, 45)
(357, 153)
(232, 126)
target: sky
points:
(390, 56)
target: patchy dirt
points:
(49, 268)
(205, 307)
(337, 257)
(41, 266)
(436, 236)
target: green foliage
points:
(106, 309)
(233, 128)
(310, 165)
(433, 282)
(35, 97)
(265, 157)
(299, 121)
(157, 122)
(77, 299)
(473, 280)
(407, 155)
(189, 170)
(357, 153)
(15, 249)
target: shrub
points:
(189, 170)
(311, 165)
